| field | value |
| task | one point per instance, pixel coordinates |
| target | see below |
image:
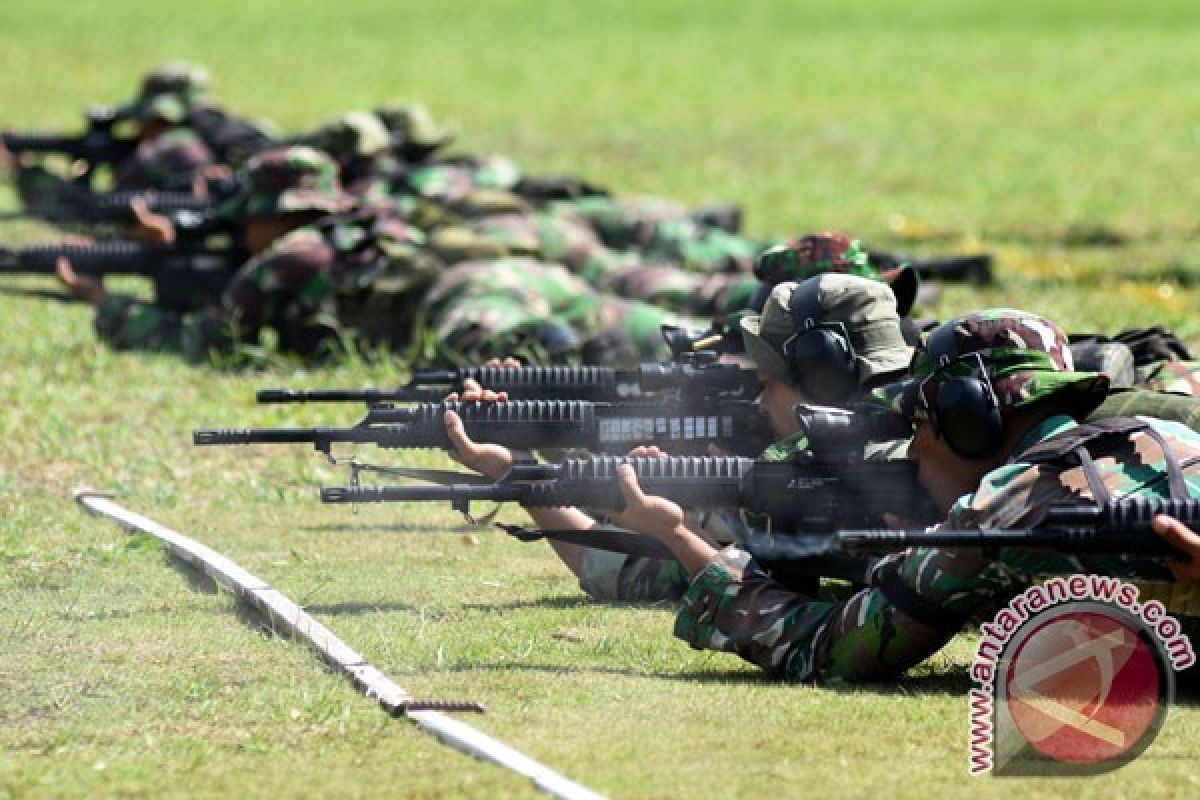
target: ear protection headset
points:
(965, 411)
(819, 355)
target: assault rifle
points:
(1122, 527)
(826, 487)
(74, 204)
(736, 426)
(974, 268)
(187, 275)
(97, 145)
(697, 377)
(818, 495)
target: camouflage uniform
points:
(817, 253)
(483, 309)
(346, 270)
(857, 304)
(1180, 377)
(663, 232)
(361, 146)
(173, 159)
(917, 600)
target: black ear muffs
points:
(819, 356)
(965, 411)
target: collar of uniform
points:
(1047, 428)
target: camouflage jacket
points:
(171, 161)
(481, 309)
(1181, 377)
(732, 606)
(309, 285)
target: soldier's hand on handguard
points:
(474, 392)
(208, 175)
(1185, 540)
(7, 162)
(151, 227)
(84, 288)
(648, 514)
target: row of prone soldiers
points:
(1001, 427)
(487, 262)
(366, 228)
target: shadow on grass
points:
(353, 609)
(36, 294)
(399, 527)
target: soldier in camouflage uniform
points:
(315, 268)
(987, 464)
(169, 154)
(864, 309)
(361, 146)
(492, 308)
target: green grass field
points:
(1033, 128)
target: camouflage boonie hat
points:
(411, 125)
(287, 179)
(819, 253)
(1026, 358)
(170, 91)
(865, 308)
(355, 134)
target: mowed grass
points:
(929, 126)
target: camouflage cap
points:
(413, 126)
(355, 134)
(287, 179)
(819, 253)
(865, 308)
(170, 91)
(1026, 358)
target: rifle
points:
(532, 425)
(187, 276)
(1122, 527)
(699, 378)
(817, 494)
(974, 268)
(71, 203)
(97, 145)
(825, 487)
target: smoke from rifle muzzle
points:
(790, 547)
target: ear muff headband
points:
(819, 355)
(964, 411)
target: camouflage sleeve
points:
(126, 323)
(734, 607)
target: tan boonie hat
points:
(865, 308)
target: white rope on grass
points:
(285, 615)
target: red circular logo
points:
(1084, 687)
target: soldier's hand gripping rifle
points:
(187, 275)
(697, 380)
(736, 426)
